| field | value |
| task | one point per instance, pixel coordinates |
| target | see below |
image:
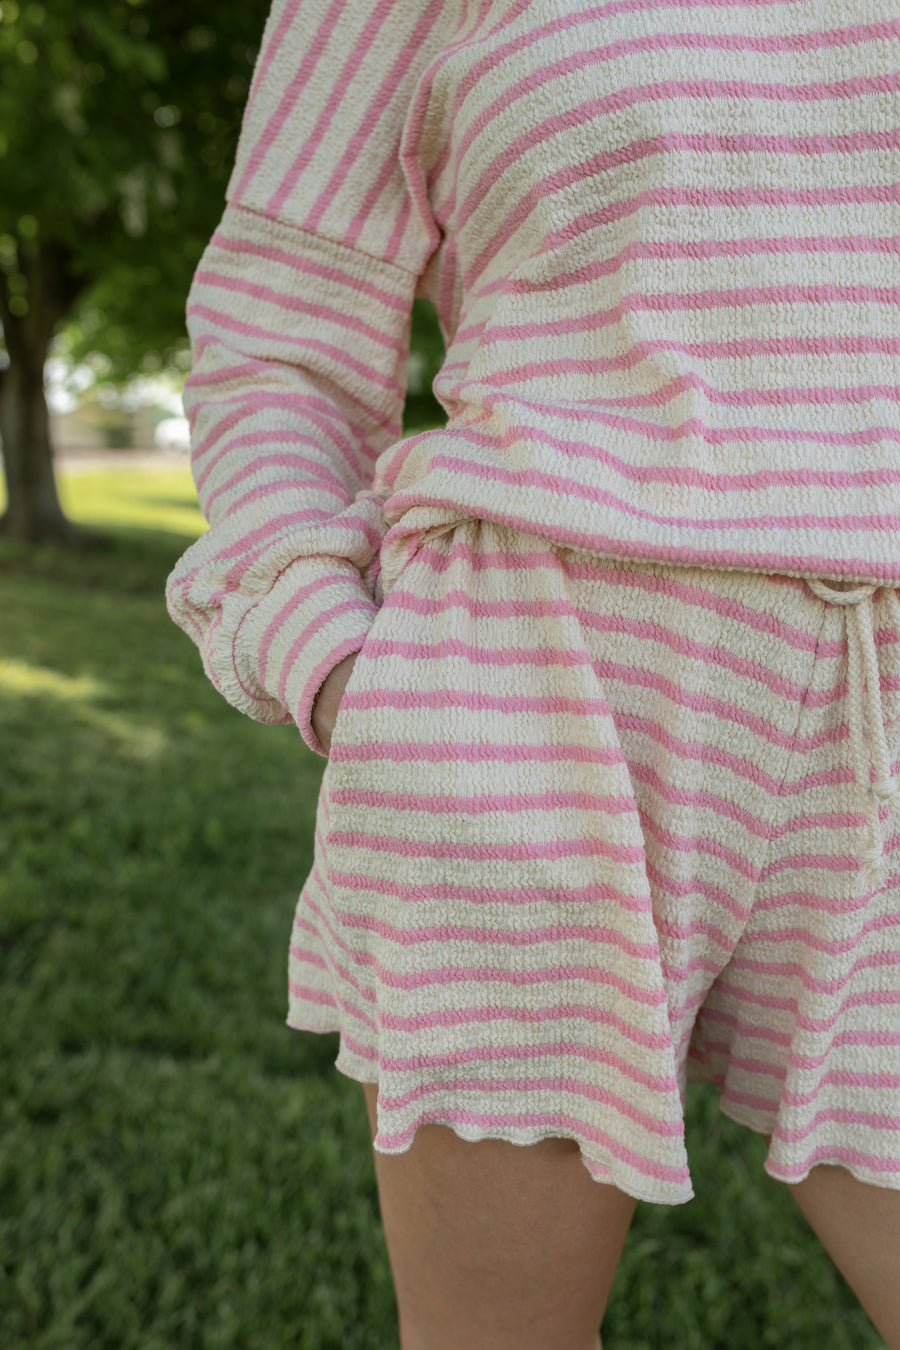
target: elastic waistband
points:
(872, 770)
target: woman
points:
(606, 668)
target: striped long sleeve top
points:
(663, 241)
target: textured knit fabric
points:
(663, 242)
(588, 830)
(611, 791)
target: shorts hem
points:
(352, 1067)
(792, 1176)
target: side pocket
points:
(350, 687)
(380, 667)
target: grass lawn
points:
(178, 1171)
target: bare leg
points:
(859, 1227)
(494, 1246)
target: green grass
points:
(178, 1171)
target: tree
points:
(118, 125)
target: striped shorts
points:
(591, 830)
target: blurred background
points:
(177, 1169)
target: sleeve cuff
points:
(317, 612)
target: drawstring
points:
(865, 705)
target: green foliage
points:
(422, 409)
(176, 1168)
(118, 124)
(133, 113)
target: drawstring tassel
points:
(864, 706)
(872, 872)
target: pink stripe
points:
(727, 809)
(476, 976)
(486, 852)
(552, 1050)
(541, 657)
(864, 1040)
(574, 63)
(339, 976)
(428, 21)
(693, 554)
(461, 1017)
(295, 304)
(706, 250)
(257, 542)
(601, 892)
(737, 198)
(665, 886)
(341, 86)
(541, 1121)
(341, 983)
(666, 199)
(666, 1129)
(688, 752)
(867, 1119)
(883, 1082)
(342, 976)
(882, 923)
(837, 906)
(308, 995)
(782, 971)
(675, 933)
(453, 752)
(338, 355)
(555, 484)
(511, 803)
(300, 597)
(784, 395)
(247, 370)
(479, 980)
(362, 1051)
(800, 475)
(836, 863)
(503, 336)
(505, 407)
(603, 573)
(304, 265)
(879, 999)
(294, 90)
(323, 618)
(414, 937)
(308, 471)
(716, 438)
(708, 654)
(834, 1153)
(307, 411)
(373, 114)
(548, 705)
(778, 1071)
(684, 932)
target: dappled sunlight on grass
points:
(150, 497)
(177, 1169)
(132, 737)
(20, 677)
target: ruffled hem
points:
(395, 1137)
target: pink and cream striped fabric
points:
(588, 831)
(664, 244)
(607, 805)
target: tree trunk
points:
(33, 513)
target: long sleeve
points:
(299, 318)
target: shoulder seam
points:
(323, 238)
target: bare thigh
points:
(859, 1226)
(494, 1246)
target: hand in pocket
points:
(328, 699)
